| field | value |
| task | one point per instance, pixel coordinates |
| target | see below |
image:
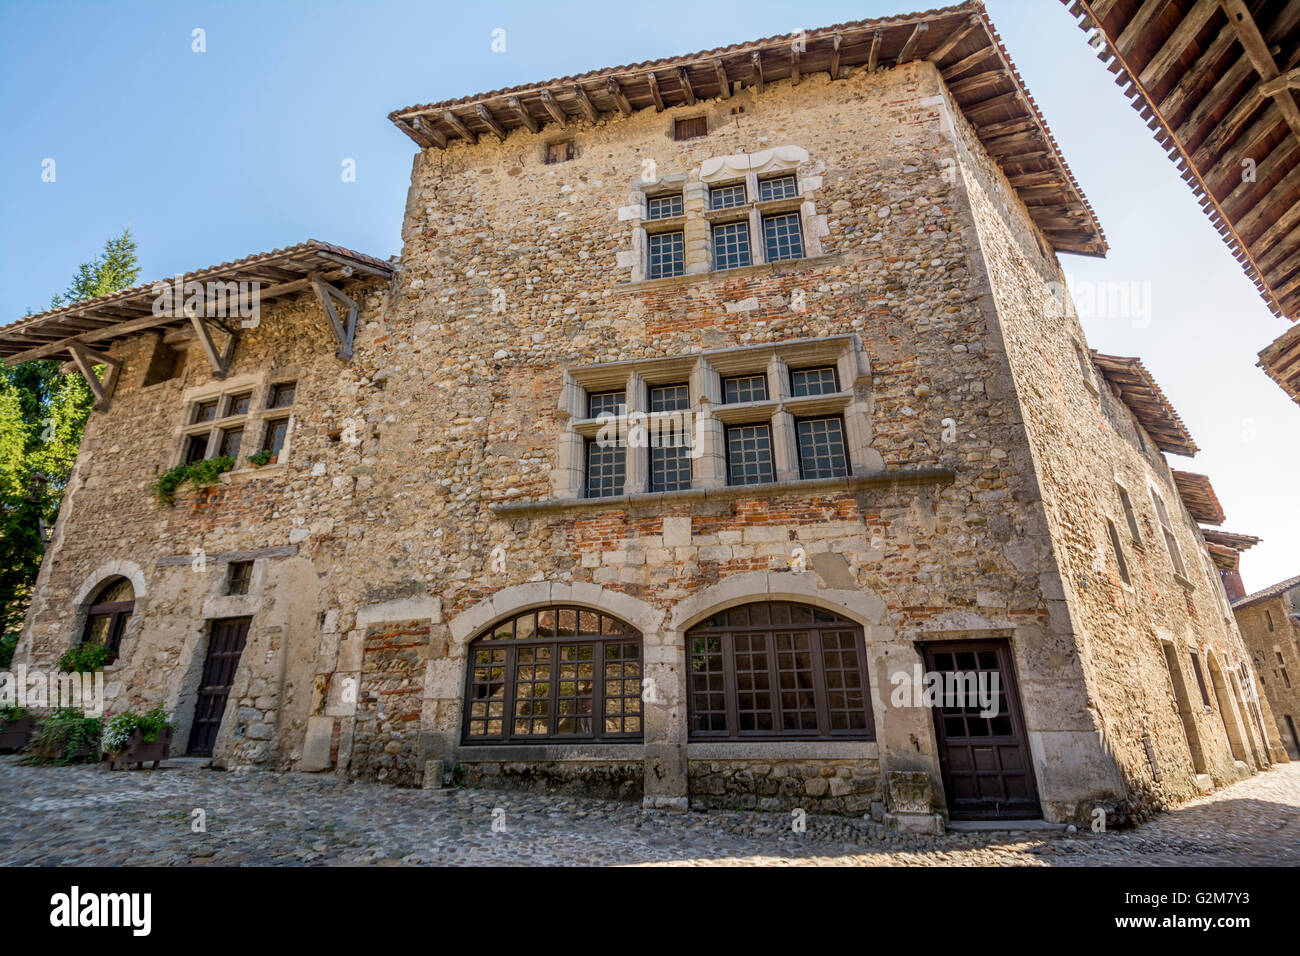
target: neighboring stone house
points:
(483, 555)
(1270, 624)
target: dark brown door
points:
(225, 644)
(987, 774)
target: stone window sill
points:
(771, 489)
(253, 471)
(780, 267)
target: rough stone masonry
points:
(437, 486)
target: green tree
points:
(42, 416)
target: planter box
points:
(15, 736)
(140, 752)
(86, 751)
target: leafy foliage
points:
(261, 458)
(200, 474)
(42, 417)
(62, 734)
(85, 658)
(118, 728)
(11, 712)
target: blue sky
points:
(212, 156)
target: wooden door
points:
(225, 645)
(987, 772)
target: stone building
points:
(713, 403)
(1270, 624)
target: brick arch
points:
(518, 598)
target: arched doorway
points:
(554, 673)
(108, 614)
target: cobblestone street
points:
(88, 816)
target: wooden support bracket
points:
(218, 358)
(86, 358)
(345, 329)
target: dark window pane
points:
(727, 197)
(205, 412)
(744, 388)
(196, 448)
(606, 403)
(813, 381)
(667, 255)
(238, 576)
(779, 187)
(749, 455)
(281, 395)
(670, 469)
(606, 469)
(664, 207)
(731, 245)
(230, 439)
(821, 448)
(275, 435)
(782, 238)
(239, 404)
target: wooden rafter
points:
(345, 328)
(490, 121)
(616, 94)
(525, 118)
(85, 360)
(905, 54)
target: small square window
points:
(239, 404)
(606, 469)
(744, 388)
(230, 439)
(782, 237)
(731, 246)
(196, 448)
(821, 448)
(664, 207)
(559, 152)
(779, 187)
(727, 197)
(205, 412)
(749, 455)
(606, 403)
(276, 431)
(690, 127)
(238, 576)
(814, 381)
(667, 255)
(281, 395)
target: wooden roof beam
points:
(431, 136)
(584, 102)
(905, 54)
(1191, 80)
(756, 63)
(1137, 25)
(457, 124)
(966, 62)
(616, 94)
(837, 41)
(724, 84)
(491, 122)
(526, 118)
(1247, 30)
(684, 78)
(1178, 41)
(553, 108)
(956, 37)
(654, 91)
(794, 64)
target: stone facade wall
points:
(1271, 629)
(396, 543)
(1083, 442)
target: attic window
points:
(690, 127)
(559, 152)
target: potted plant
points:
(65, 736)
(263, 457)
(86, 658)
(16, 728)
(138, 738)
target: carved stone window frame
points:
(710, 417)
(254, 421)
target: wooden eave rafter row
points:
(1198, 494)
(960, 41)
(1139, 391)
(1218, 89)
(1281, 361)
(85, 330)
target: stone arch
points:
(864, 607)
(91, 585)
(522, 597)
